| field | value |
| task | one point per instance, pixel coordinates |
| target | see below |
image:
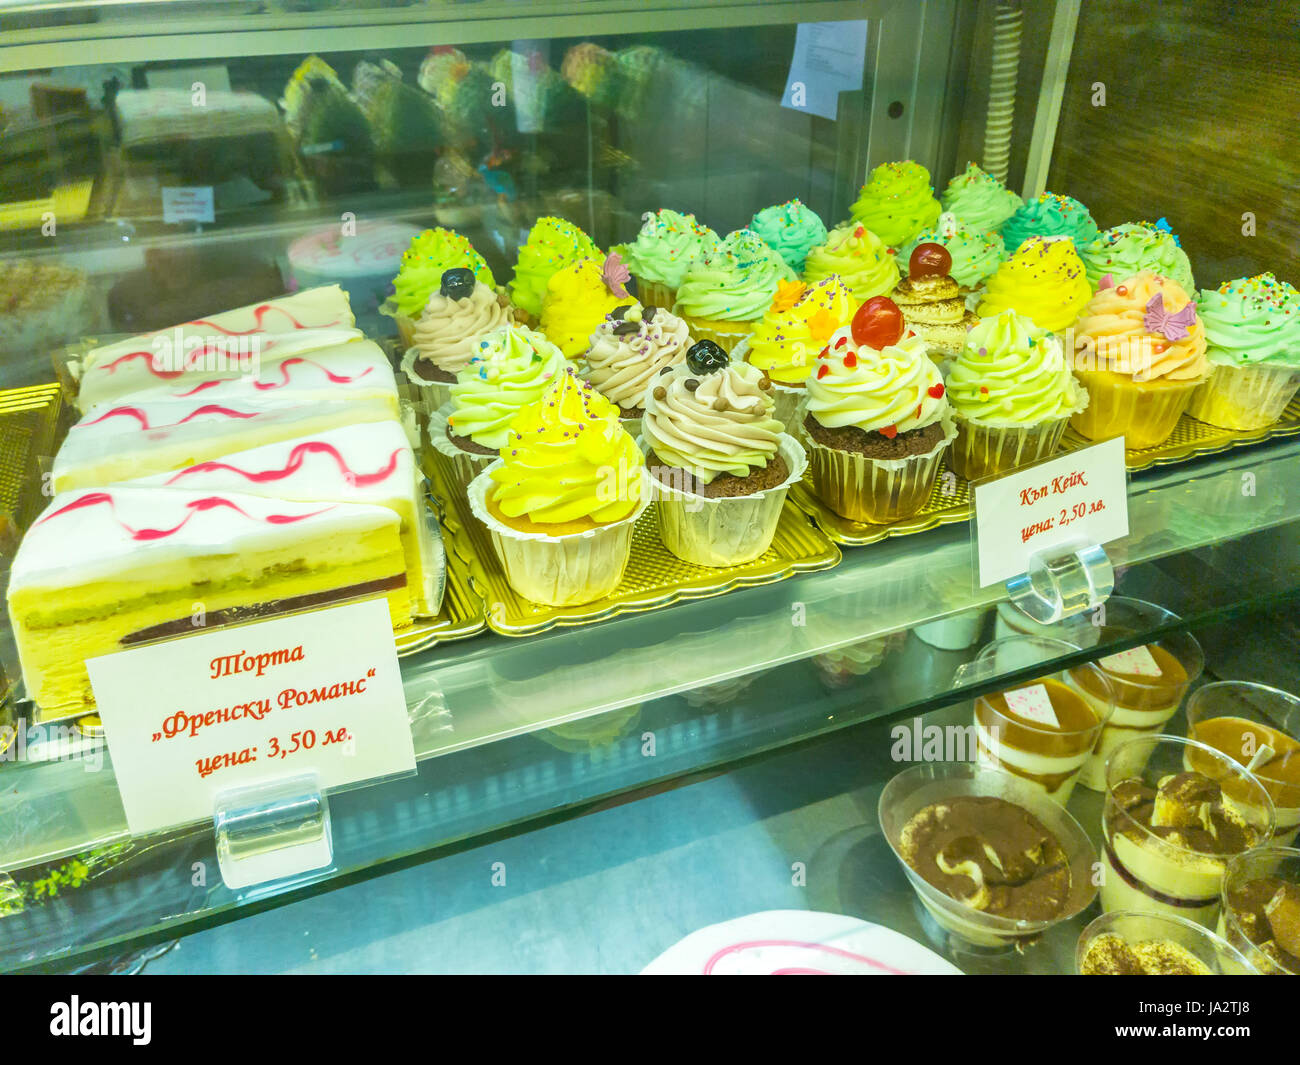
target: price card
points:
(190, 717)
(1079, 497)
(187, 204)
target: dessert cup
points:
(954, 633)
(1145, 412)
(728, 530)
(875, 490)
(1145, 871)
(1238, 718)
(1249, 882)
(1244, 397)
(923, 785)
(558, 570)
(983, 449)
(1041, 730)
(1143, 703)
(848, 664)
(466, 464)
(1133, 927)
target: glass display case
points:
(289, 289)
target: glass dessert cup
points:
(921, 786)
(1239, 718)
(1045, 752)
(1133, 927)
(1151, 861)
(1143, 703)
(1268, 940)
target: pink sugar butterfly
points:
(1170, 326)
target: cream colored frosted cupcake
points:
(628, 350)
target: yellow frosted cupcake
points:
(552, 244)
(1044, 280)
(1140, 354)
(578, 297)
(859, 258)
(561, 502)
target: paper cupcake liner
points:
(465, 464)
(1144, 411)
(875, 490)
(430, 395)
(725, 531)
(1244, 397)
(981, 450)
(727, 335)
(655, 293)
(405, 329)
(558, 570)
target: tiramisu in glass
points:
(1261, 909)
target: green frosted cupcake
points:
(791, 229)
(723, 295)
(897, 202)
(667, 245)
(975, 253)
(979, 200)
(420, 274)
(1126, 249)
(1049, 215)
(552, 244)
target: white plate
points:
(798, 942)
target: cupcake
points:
(859, 257)
(724, 294)
(1125, 249)
(1043, 280)
(1140, 354)
(792, 230)
(462, 90)
(561, 501)
(1050, 215)
(979, 200)
(665, 248)
(512, 368)
(877, 418)
(931, 301)
(720, 461)
(552, 244)
(430, 255)
(976, 254)
(594, 72)
(897, 202)
(798, 325)
(1012, 394)
(447, 335)
(631, 347)
(1252, 336)
(578, 297)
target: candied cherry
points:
(878, 323)
(929, 260)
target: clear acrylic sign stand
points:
(1067, 580)
(272, 831)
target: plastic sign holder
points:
(272, 831)
(1062, 583)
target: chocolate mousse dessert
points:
(1109, 955)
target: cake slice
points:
(105, 569)
(229, 344)
(370, 463)
(132, 440)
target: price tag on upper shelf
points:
(1078, 497)
(187, 204)
(190, 717)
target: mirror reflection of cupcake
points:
(628, 350)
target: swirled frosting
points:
(1050, 215)
(567, 459)
(448, 331)
(797, 326)
(666, 246)
(897, 202)
(1120, 332)
(1252, 320)
(859, 257)
(791, 229)
(976, 254)
(1125, 249)
(736, 283)
(628, 352)
(512, 367)
(552, 244)
(1043, 280)
(979, 200)
(1011, 372)
(711, 424)
(899, 388)
(430, 254)
(577, 300)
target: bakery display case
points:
(425, 424)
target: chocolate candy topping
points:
(705, 357)
(458, 283)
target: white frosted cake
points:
(104, 569)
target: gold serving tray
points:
(654, 576)
(461, 613)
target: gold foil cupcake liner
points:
(557, 570)
(877, 491)
(727, 335)
(1145, 412)
(1243, 398)
(465, 465)
(982, 450)
(655, 293)
(430, 395)
(725, 531)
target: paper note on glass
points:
(828, 59)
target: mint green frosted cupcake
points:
(667, 245)
(791, 229)
(976, 254)
(1124, 250)
(723, 295)
(1050, 215)
(979, 200)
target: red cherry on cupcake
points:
(929, 260)
(878, 323)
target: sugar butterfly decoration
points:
(1170, 326)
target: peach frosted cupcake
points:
(1140, 353)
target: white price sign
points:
(187, 204)
(191, 717)
(1078, 497)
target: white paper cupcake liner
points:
(558, 570)
(729, 530)
(465, 464)
(430, 395)
(1244, 397)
